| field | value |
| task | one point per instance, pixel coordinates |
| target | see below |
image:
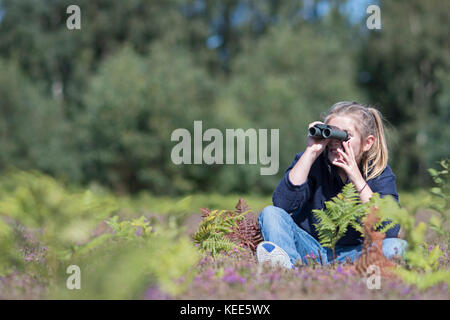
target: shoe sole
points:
(276, 256)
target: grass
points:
(146, 202)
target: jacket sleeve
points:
(385, 186)
(289, 196)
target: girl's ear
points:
(368, 143)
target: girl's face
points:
(357, 144)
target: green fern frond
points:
(325, 220)
(210, 235)
(341, 211)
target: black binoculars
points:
(327, 132)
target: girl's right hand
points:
(316, 145)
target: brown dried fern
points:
(247, 234)
(372, 251)
(205, 212)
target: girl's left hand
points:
(347, 162)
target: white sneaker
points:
(269, 251)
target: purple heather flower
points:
(405, 291)
(340, 270)
(154, 293)
(204, 260)
(139, 231)
(180, 280)
(232, 278)
(274, 276)
(209, 273)
(228, 270)
(230, 275)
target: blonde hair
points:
(373, 161)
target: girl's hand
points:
(316, 145)
(347, 162)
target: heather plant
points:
(46, 226)
(149, 255)
(132, 259)
(49, 221)
(143, 253)
(64, 217)
(8, 257)
(237, 275)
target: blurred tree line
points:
(99, 104)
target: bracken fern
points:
(210, 235)
(342, 211)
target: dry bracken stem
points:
(333, 257)
(320, 256)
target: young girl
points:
(318, 174)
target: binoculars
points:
(325, 131)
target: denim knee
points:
(394, 246)
(271, 214)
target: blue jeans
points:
(278, 226)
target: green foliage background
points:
(98, 105)
(45, 226)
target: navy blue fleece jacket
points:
(322, 184)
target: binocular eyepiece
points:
(325, 131)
